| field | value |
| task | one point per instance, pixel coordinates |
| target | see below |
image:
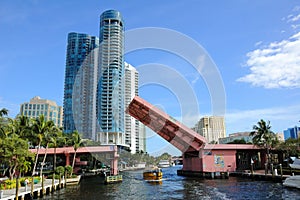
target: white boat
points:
(73, 181)
(292, 181)
(296, 164)
(163, 164)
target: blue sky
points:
(254, 45)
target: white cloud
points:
(296, 8)
(275, 66)
(293, 18)
(281, 118)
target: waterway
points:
(175, 187)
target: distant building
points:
(291, 133)
(37, 106)
(211, 127)
(236, 136)
(280, 136)
(80, 85)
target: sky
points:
(195, 58)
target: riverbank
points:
(24, 192)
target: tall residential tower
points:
(131, 124)
(110, 91)
(80, 84)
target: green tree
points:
(3, 122)
(21, 126)
(3, 112)
(40, 128)
(76, 142)
(264, 137)
(238, 141)
(48, 138)
(290, 147)
(14, 152)
(57, 140)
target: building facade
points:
(211, 127)
(142, 138)
(131, 124)
(110, 90)
(236, 136)
(291, 133)
(37, 106)
(80, 84)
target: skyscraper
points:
(80, 84)
(131, 124)
(110, 91)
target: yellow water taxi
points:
(154, 174)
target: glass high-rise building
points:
(110, 91)
(80, 84)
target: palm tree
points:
(22, 126)
(57, 140)
(3, 112)
(48, 137)
(264, 137)
(40, 128)
(76, 142)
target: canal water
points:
(175, 187)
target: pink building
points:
(198, 156)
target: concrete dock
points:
(260, 175)
(25, 192)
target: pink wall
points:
(192, 164)
(212, 161)
(219, 160)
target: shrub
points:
(2, 186)
(56, 176)
(60, 170)
(68, 170)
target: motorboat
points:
(292, 181)
(164, 164)
(295, 164)
(153, 174)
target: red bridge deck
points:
(183, 138)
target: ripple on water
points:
(134, 187)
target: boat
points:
(73, 181)
(292, 181)
(153, 174)
(164, 164)
(295, 164)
